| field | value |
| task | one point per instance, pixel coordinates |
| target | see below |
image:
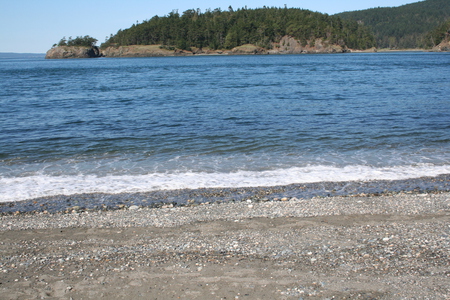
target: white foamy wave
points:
(22, 188)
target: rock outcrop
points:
(155, 51)
(444, 46)
(73, 52)
(287, 45)
(138, 51)
(248, 49)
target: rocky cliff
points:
(444, 46)
(141, 51)
(287, 45)
(73, 52)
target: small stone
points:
(133, 207)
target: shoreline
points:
(361, 247)
(190, 197)
(139, 51)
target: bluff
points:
(73, 52)
(287, 45)
(444, 46)
(440, 37)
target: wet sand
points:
(377, 247)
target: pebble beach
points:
(392, 246)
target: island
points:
(271, 30)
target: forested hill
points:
(405, 26)
(440, 37)
(217, 29)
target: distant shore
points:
(15, 55)
(164, 51)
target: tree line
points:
(80, 41)
(226, 29)
(406, 26)
(436, 36)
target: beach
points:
(392, 246)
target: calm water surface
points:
(141, 124)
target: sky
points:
(33, 26)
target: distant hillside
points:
(217, 29)
(439, 38)
(404, 26)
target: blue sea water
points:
(140, 124)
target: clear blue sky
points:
(33, 26)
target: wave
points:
(24, 188)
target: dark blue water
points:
(141, 124)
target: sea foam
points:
(23, 188)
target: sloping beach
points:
(356, 247)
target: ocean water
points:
(116, 125)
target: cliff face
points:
(444, 46)
(137, 51)
(73, 52)
(287, 45)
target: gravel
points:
(170, 216)
(354, 247)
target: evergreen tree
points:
(438, 35)
(404, 26)
(83, 41)
(219, 29)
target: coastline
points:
(131, 51)
(135, 51)
(192, 197)
(360, 247)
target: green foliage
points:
(82, 41)
(438, 35)
(404, 26)
(219, 29)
